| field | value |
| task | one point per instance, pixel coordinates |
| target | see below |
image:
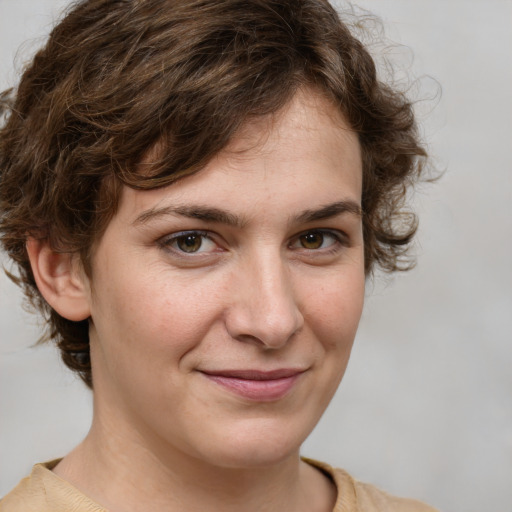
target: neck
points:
(123, 472)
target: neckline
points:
(345, 498)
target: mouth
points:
(256, 385)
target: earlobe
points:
(60, 280)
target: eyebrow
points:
(219, 216)
(331, 210)
(204, 213)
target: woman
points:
(193, 193)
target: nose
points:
(264, 309)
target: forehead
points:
(308, 116)
(308, 144)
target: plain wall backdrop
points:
(425, 407)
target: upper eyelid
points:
(211, 234)
(185, 232)
(336, 233)
(167, 239)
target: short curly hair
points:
(117, 77)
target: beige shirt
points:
(44, 491)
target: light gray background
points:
(425, 407)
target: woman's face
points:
(224, 307)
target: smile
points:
(256, 385)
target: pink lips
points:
(256, 385)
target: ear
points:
(60, 279)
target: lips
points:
(256, 385)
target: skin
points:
(238, 268)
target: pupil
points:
(312, 240)
(189, 243)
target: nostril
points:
(269, 329)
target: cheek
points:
(156, 315)
(334, 311)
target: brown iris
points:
(189, 243)
(312, 240)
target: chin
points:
(260, 444)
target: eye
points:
(316, 240)
(190, 242)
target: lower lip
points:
(257, 390)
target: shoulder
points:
(355, 496)
(372, 498)
(44, 491)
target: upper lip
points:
(280, 373)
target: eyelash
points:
(339, 238)
(168, 241)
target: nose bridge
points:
(266, 309)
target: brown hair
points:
(118, 76)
